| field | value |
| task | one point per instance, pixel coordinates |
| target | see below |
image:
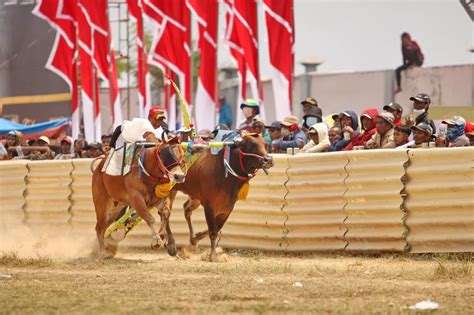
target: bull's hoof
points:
(172, 250)
(156, 242)
(213, 257)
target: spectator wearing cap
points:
(397, 111)
(350, 130)
(13, 139)
(456, 134)
(258, 126)
(94, 150)
(383, 138)
(274, 130)
(225, 113)
(319, 140)
(79, 145)
(292, 136)
(336, 118)
(367, 119)
(250, 110)
(401, 136)
(66, 149)
(46, 153)
(421, 104)
(422, 133)
(312, 113)
(469, 132)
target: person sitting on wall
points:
(46, 153)
(13, 139)
(335, 134)
(274, 132)
(412, 56)
(293, 136)
(350, 130)
(79, 144)
(250, 110)
(367, 119)
(319, 140)
(397, 111)
(456, 136)
(66, 149)
(401, 136)
(422, 135)
(312, 113)
(383, 138)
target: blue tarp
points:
(6, 126)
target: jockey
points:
(140, 129)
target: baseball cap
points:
(310, 101)
(94, 145)
(45, 139)
(250, 103)
(67, 139)
(455, 120)
(290, 121)
(275, 125)
(156, 112)
(422, 98)
(205, 133)
(258, 120)
(388, 117)
(393, 106)
(423, 127)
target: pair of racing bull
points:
(213, 181)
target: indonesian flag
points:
(135, 8)
(62, 60)
(205, 12)
(242, 39)
(280, 27)
(171, 44)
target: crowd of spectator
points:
(375, 128)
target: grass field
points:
(246, 282)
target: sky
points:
(363, 35)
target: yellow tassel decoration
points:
(244, 191)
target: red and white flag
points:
(281, 34)
(205, 12)
(135, 8)
(62, 60)
(171, 44)
(242, 39)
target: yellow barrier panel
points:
(47, 193)
(12, 187)
(82, 207)
(315, 203)
(374, 216)
(440, 201)
(258, 222)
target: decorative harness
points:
(242, 154)
(163, 168)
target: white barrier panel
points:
(440, 200)
(374, 217)
(315, 203)
(47, 193)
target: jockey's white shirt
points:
(135, 130)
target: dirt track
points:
(248, 282)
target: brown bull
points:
(207, 184)
(161, 164)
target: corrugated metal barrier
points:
(378, 201)
(48, 189)
(440, 200)
(259, 222)
(315, 202)
(374, 217)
